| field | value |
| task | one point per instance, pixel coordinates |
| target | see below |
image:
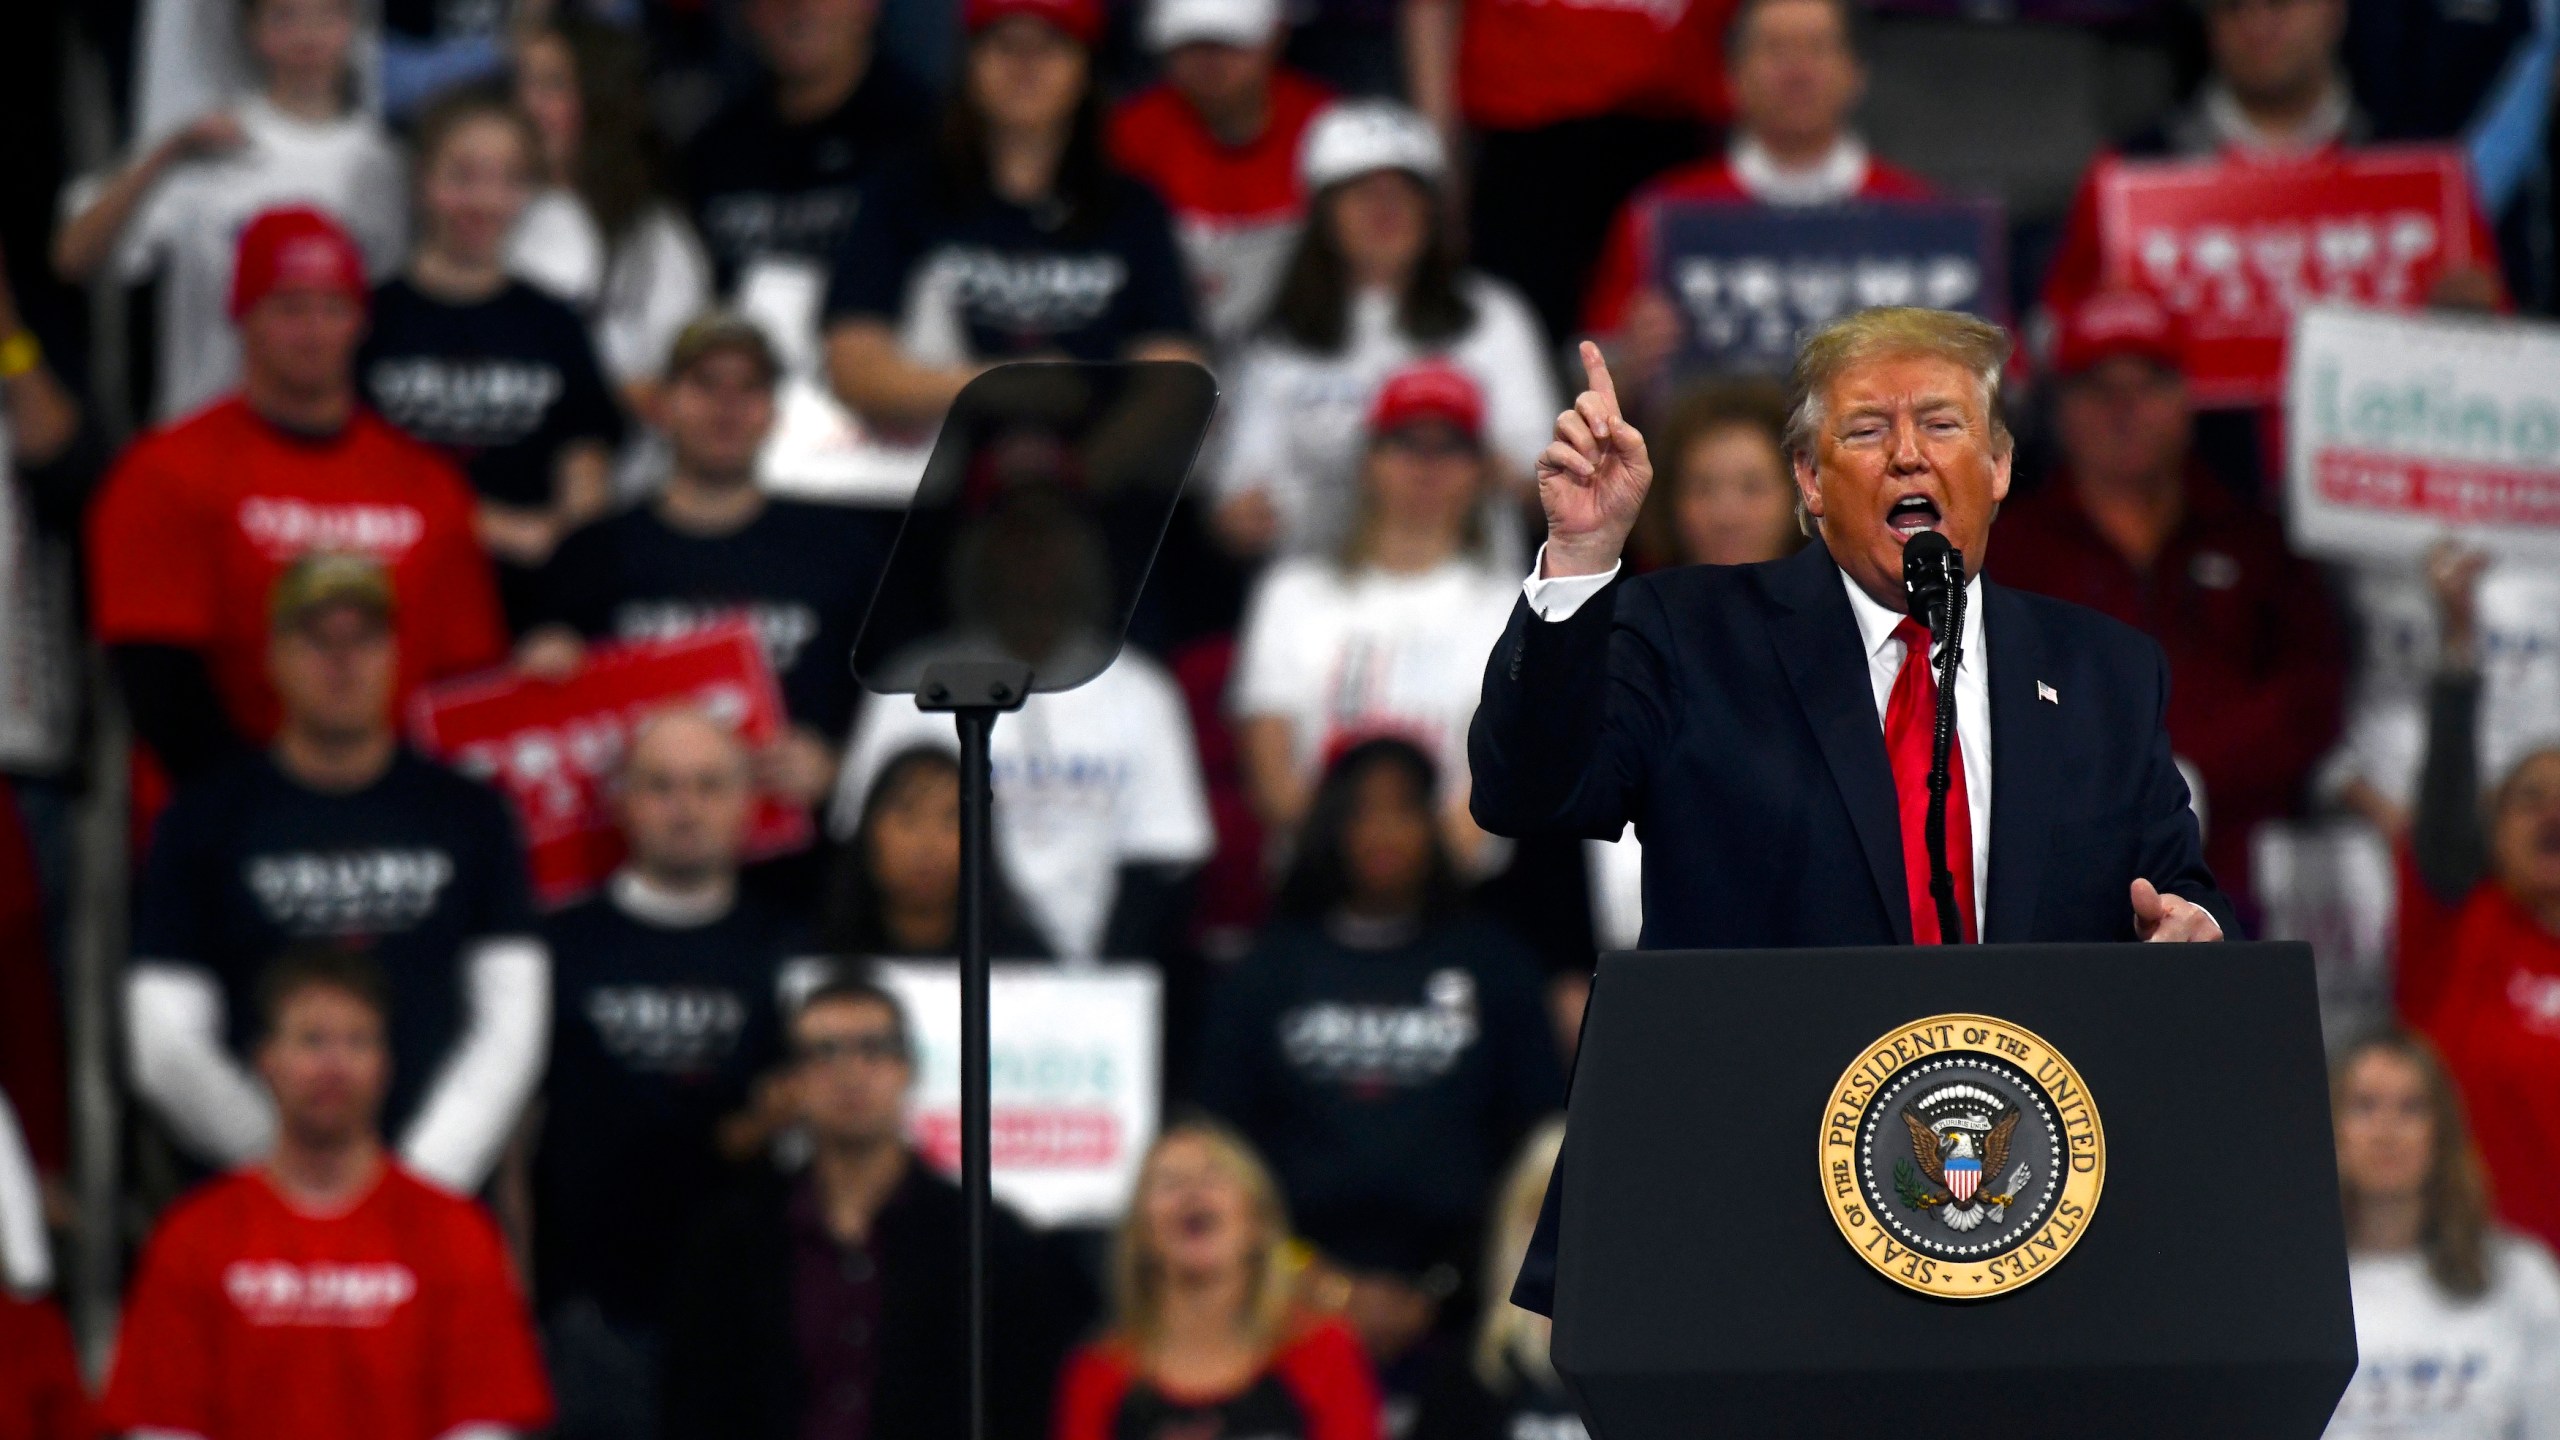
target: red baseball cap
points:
(1079, 20)
(296, 248)
(2115, 323)
(1432, 390)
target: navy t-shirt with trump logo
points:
(767, 188)
(801, 574)
(658, 1029)
(414, 868)
(992, 280)
(1386, 1072)
(500, 385)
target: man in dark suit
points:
(1767, 727)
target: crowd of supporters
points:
(477, 339)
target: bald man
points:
(664, 1017)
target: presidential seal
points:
(1962, 1156)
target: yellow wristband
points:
(19, 355)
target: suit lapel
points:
(2022, 735)
(1825, 661)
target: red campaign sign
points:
(1027, 1137)
(552, 748)
(2449, 492)
(2235, 246)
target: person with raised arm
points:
(1768, 726)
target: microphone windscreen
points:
(1925, 553)
(1930, 567)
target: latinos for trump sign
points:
(1749, 279)
(2234, 247)
(552, 749)
(2402, 429)
(1075, 1052)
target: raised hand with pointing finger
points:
(1592, 477)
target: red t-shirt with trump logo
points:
(199, 518)
(398, 1318)
(1527, 63)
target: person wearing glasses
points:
(825, 1302)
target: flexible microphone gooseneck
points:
(1933, 576)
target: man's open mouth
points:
(1912, 514)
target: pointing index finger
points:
(1595, 371)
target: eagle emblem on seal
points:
(1959, 1142)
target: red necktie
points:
(1910, 717)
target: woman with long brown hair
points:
(1376, 285)
(601, 233)
(1206, 1334)
(2457, 1321)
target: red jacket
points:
(2256, 660)
(1624, 267)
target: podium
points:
(1780, 1196)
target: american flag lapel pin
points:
(2047, 694)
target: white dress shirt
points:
(1556, 600)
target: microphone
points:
(1932, 574)
(1933, 577)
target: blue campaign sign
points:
(1749, 279)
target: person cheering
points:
(1205, 1337)
(2479, 955)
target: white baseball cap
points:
(1172, 23)
(1353, 138)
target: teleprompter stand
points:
(1705, 1286)
(1017, 570)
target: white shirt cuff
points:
(1554, 601)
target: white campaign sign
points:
(2405, 429)
(1077, 1055)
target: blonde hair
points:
(1892, 332)
(1137, 1282)
(1508, 1333)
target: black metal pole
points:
(1942, 882)
(977, 824)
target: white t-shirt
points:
(636, 295)
(187, 230)
(2385, 738)
(1086, 780)
(2434, 1368)
(1343, 656)
(1301, 419)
